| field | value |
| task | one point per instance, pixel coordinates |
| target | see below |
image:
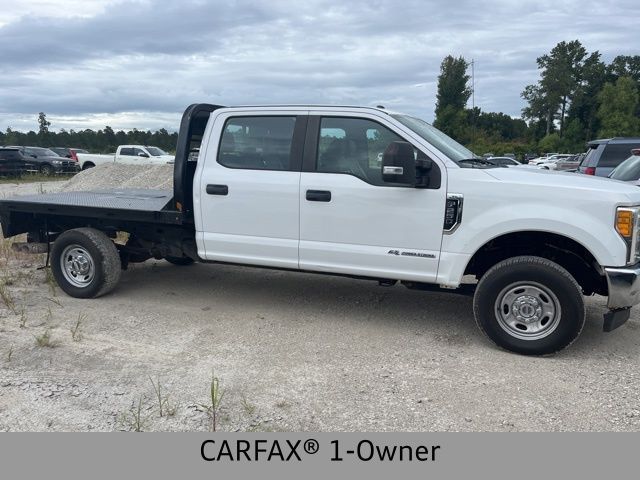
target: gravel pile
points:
(117, 175)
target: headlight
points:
(57, 162)
(627, 225)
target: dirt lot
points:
(292, 352)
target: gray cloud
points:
(154, 58)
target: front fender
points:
(480, 226)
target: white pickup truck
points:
(131, 154)
(302, 188)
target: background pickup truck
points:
(303, 188)
(131, 154)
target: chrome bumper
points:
(624, 286)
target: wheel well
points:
(564, 251)
(86, 165)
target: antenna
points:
(473, 102)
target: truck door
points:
(249, 188)
(354, 223)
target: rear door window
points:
(257, 143)
(615, 153)
(126, 151)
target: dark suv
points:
(11, 162)
(606, 154)
(45, 161)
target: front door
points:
(351, 221)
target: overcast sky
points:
(91, 63)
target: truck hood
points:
(566, 180)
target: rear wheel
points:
(183, 261)
(85, 263)
(529, 305)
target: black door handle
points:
(318, 195)
(217, 189)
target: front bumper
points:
(67, 167)
(624, 286)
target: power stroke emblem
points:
(410, 254)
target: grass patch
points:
(164, 406)
(44, 340)
(6, 297)
(33, 177)
(216, 393)
(76, 330)
(23, 318)
(249, 408)
(134, 420)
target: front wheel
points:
(46, 170)
(85, 263)
(529, 305)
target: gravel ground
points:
(293, 352)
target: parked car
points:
(529, 156)
(46, 161)
(131, 154)
(569, 164)
(536, 243)
(68, 152)
(503, 161)
(11, 162)
(606, 154)
(629, 170)
(548, 163)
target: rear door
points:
(248, 190)
(354, 223)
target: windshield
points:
(155, 151)
(435, 137)
(40, 152)
(628, 170)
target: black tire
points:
(182, 261)
(104, 259)
(46, 170)
(533, 282)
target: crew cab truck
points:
(130, 154)
(302, 188)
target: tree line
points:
(577, 98)
(105, 140)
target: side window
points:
(257, 143)
(137, 151)
(354, 146)
(615, 153)
(126, 151)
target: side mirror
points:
(399, 164)
(142, 154)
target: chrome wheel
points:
(77, 266)
(528, 310)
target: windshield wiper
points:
(475, 163)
